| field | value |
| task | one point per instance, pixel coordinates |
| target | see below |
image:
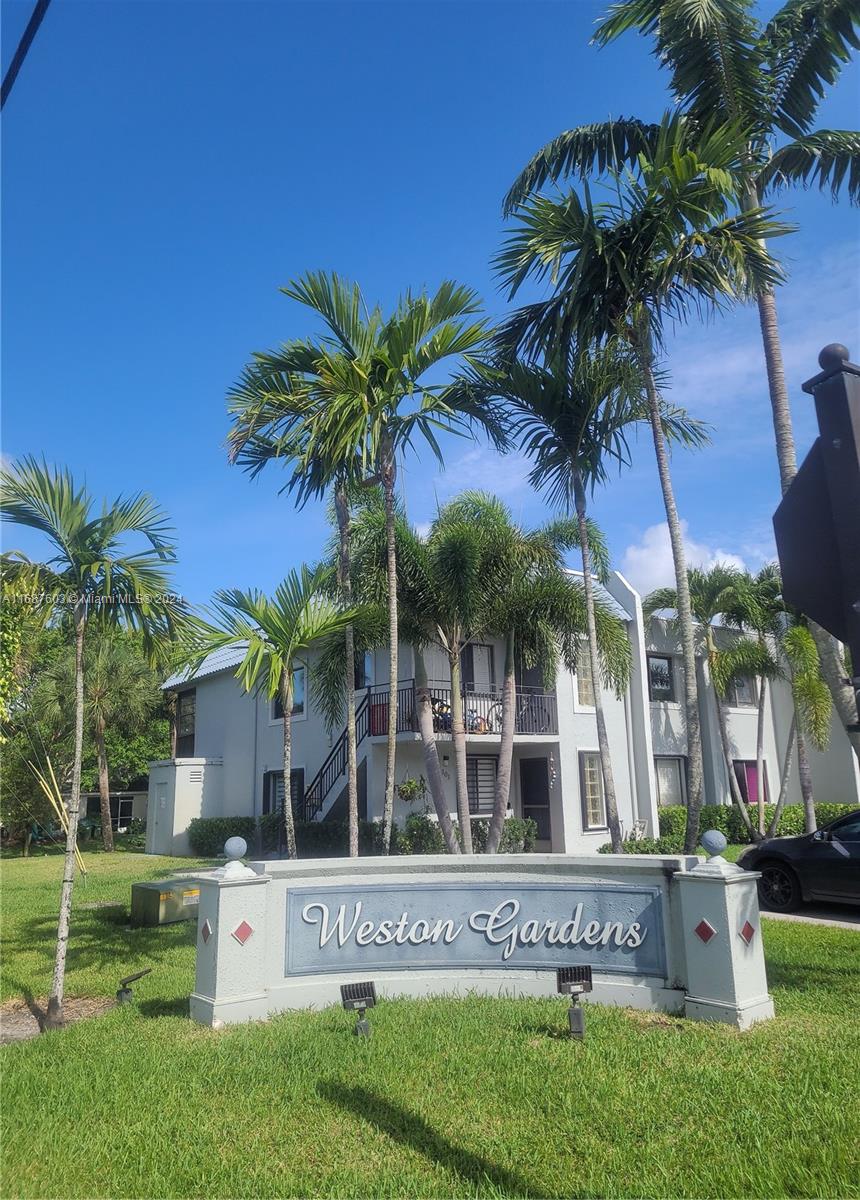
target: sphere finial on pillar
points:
(713, 842)
(833, 356)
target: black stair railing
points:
(333, 767)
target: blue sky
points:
(167, 166)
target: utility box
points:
(164, 901)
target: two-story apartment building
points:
(228, 743)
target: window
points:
(478, 669)
(298, 696)
(584, 679)
(671, 776)
(846, 830)
(364, 670)
(186, 703)
(661, 677)
(481, 782)
(747, 777)
(742, 692)
(591, 789)
(273, 790)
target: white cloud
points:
(483, 469)
(647, 564)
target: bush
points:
(207, 835)
(727, 819)
(419, 835)
(660, 845)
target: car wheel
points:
(778, 889)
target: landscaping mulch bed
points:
(22, 1019)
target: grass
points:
(463, 1098)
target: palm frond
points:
(828, 158)
(805, 46)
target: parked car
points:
(824, 865)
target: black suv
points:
(824, 865)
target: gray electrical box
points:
(164, 901)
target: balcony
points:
(536, 711)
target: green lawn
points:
(450, 1098)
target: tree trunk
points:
(779, 404)
(54, 1016)
(287, 705)
(810, 822)
(834, 672)
(389, 472)
(734, 787)
(25, 845)
(831, 667)
(786, 775)
(432, 766)
(104, 786)
(683, 606)
(759, 754)
(506, 747)
(344, 580)
(458, 738)
(609, 795)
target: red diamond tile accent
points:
(748, 932)
(206, 931)
(705, 931)
(242, 932)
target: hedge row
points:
(330, 839)
(726, 818)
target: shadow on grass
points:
(411, 1130)
(162, 1006)
(101, 937)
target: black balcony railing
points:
(536, 711)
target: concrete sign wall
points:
(671, 933)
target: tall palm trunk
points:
(287, 705)
(780, 408)
(104, 785)
(458, 738)
(734, 787)
(784, 778)
(759, 754)
(506, 746)
(389, 474)
(344, 580)
(436, 783)
(683, 605)
(609, 795)
(54, 1016)
(804, 771)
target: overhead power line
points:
(23, 46)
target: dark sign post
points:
(817, 524)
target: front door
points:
(534, 790)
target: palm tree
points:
(272, 632)
(571, 415)
(91, 571)
(365, 396)
(477, 574)
(720, 596)
(619, 269)
(712, 593)
(762, 85)
(531, 601)
(120, 691)
(780, 647)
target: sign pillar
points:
(231, 982)
(726, 978)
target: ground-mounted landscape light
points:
(359, 997)
(124, 995)
(573, 981)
